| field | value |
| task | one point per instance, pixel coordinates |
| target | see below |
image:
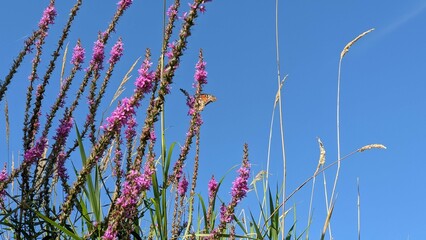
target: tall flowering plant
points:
(128, 184)
(139, 186)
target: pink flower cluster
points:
(238, 191)
(109, 234)
(78, 55)
(3, 177)
(130, 130)
(212, 187)
(61, 136)
(133, 186)
(200, 72)
(240, 185)
(123, 114)
(152, 135)
(98, 55)
(35, 153)
(225, 216)
(145, 79)
(116, 52)
(64, 129)
(120, 116)
(172, 47)
(117, 171)
(172, 11)
(183, 186)
(48, 17)
(62, 170)
(135, 183)
(190, 102)
(202, 7)
(124, 4)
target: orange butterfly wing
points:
(205, 99)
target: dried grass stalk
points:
(371, 146)
(321, 160)
(126, 78)
(258, 177)
(346, 48)
(64, 60)
(278, 95)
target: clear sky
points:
(383, 100)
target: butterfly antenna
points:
(185, 92)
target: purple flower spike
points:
(121, 115)
(212, 187)
(3, 177)
(61, 136)
(183, 187)
(35, 153)
(145, 79)
(3, 174)
(130, 130)
(172, 12)
(62, 170)
(116, 52)
(109, 234)
(224, 215)
(78, 55)
(133, 186)
(190, 102)
(63, 129)
(98, 55)
(172, 47)
(240, 185)
(49, 15)
(124, 4)
(117, 160)
(200, 72)
(152, 136)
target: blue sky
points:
(382, 95)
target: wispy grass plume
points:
(342, 54)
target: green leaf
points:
(92, 192)
(166, 166)
(241, 225)
(55, 224)
(273, 228)
(290, 232)
(256, 228)
(203, 206)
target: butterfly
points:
(202, 100)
